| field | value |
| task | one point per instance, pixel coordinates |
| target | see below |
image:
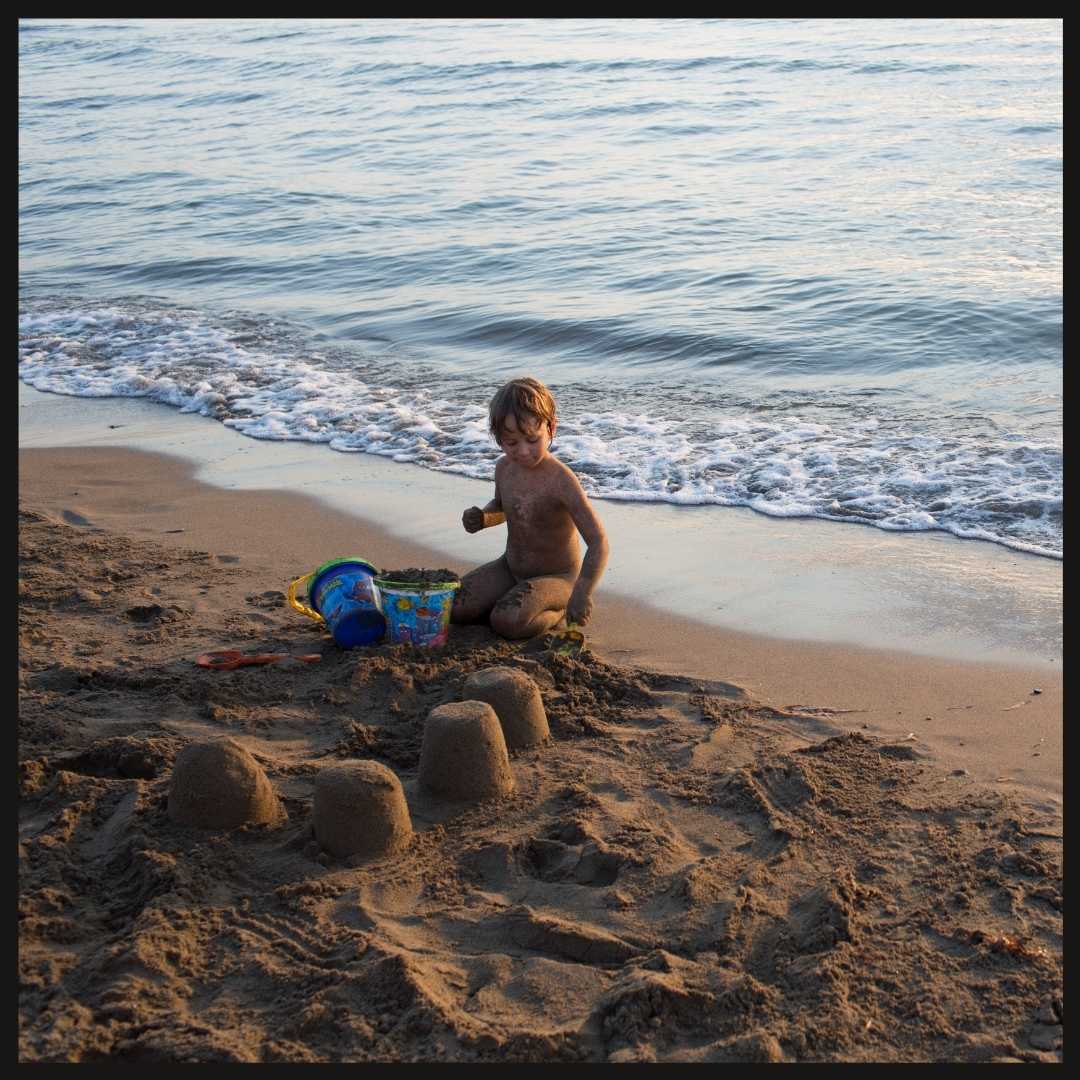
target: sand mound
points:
(219, 785)
(360, 809)
(464, 753)
(516, 701)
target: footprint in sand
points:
(144, 613)
(585, 864)
(73, 517)
(566, 938)
(269, 599)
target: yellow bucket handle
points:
(299, 605)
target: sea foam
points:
(267, 382)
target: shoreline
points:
(958, 714)
(802, 579)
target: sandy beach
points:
(733, 847)
(795, 791)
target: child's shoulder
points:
(563, 471)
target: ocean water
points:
(812, 267)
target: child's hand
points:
(473, 519)
(579, 608)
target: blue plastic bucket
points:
(341, 591)
(416, 614)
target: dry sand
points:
(729, 850)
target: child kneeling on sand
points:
(541, 578)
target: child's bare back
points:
(541, 577)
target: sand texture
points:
(681, 873)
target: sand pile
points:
(360, 809)
(679, 874)
(517, 703)
(420, 576)
(219, 785)
(463, 756)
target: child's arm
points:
(476, 518)
(579, 606)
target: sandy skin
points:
(541, 578)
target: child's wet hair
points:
(527, 399)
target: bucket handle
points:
(299, 605)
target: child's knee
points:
(507, 622)
(517, 624)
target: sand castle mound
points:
(219, 785)
(463, 756)
(516, 701)
(360, 809)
